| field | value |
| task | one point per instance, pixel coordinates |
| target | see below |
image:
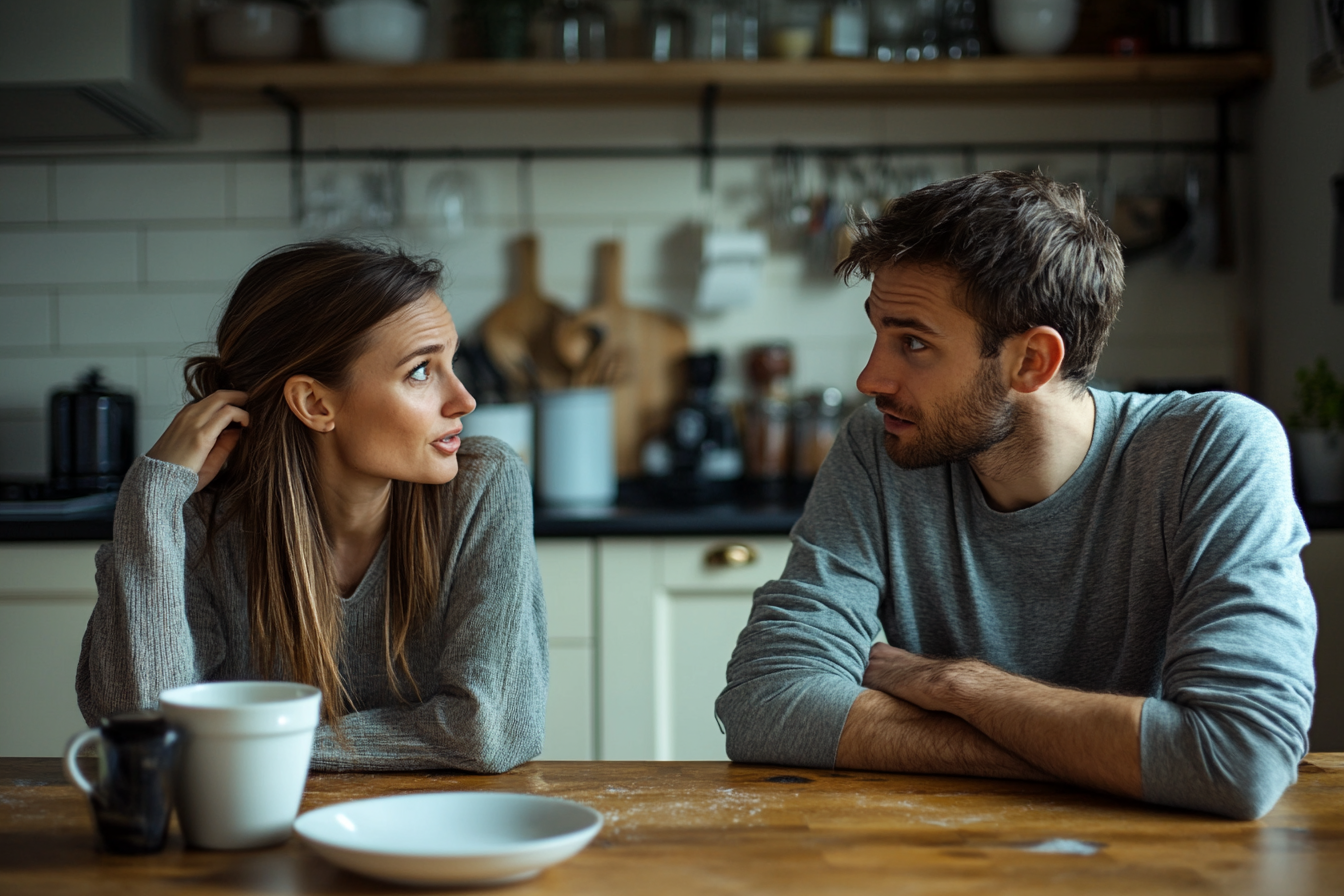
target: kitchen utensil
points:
(519, 334)
(450, 839)
(576, 453)
(379, 31)
(133, 797)
(1034, 27)
(92, 436)
(635, 350)
(244, 761)
(253, 29)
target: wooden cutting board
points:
(636, 351)
(519, 333)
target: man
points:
(1081, 586)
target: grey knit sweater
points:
(165, 619)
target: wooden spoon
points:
(518, 332)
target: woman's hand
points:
(199, 438)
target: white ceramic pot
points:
(254, 30)
(244, 760)
(576, 458)
(1034, 27)
(384, 31)
(1318, 457)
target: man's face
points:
(940, 400)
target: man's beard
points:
(972, 423)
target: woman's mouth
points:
(447, 445)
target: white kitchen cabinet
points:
(668, 618)
(47, 592)
(46, 596)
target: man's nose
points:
(877, 376)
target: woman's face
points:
(400, 415)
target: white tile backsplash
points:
(23, 193)
(60, 256)
(261, 190)
(126, 191)
(25, 320)
(141, 255)
(214, 254)
(136, 318)
(27, 382)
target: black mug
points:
(133, 797)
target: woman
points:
(314, 516)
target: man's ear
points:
(313, 403)
(1041, 351)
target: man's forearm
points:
(885, 733)
(1083, 738)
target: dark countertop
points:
(629, 519)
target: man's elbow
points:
(1252, 792)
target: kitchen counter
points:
(633, 517)
(718, 827)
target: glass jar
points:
(664, 30)
(793, 28)
(573, 30)
(844, 29)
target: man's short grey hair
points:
(1027, 250)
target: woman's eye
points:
(421, 372)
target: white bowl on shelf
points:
(1034, 27)
(381, 31)
(254, 29)
(450, 839)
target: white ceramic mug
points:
(244, 761)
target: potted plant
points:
(1316, 430)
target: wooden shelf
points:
(471, 82)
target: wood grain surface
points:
(475, 81)
(719, 828)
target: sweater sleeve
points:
(153, 626)
(487, 711)
(799, 663)
(1231, 724)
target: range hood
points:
(87, 70)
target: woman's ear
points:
(313, 403)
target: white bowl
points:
(254, 30)
(450, 839)
(386, 31)
(1034, 27)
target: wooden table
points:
(713, 827)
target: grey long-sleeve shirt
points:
(166, 616)
(1166, 567)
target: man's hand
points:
(913, 678)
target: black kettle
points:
(92, 436)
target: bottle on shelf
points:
(844, 29)
(572, 30)
(724, 29)
(665, 30)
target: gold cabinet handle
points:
(731, 556)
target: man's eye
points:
(914, 344)
(421, 372)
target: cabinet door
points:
(670, 618)
(567, 578)
(47, 592)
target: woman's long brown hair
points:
(310, 309)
